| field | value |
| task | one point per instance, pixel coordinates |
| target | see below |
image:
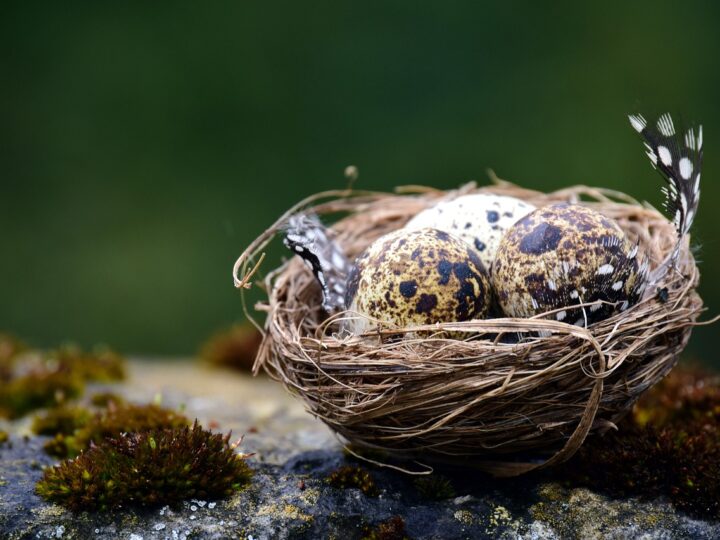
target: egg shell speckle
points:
(563, 255)
(480, 219)
(408, 278)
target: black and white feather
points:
(308, 238)
(678, 157)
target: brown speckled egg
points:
(480, 219)
(408, 278)
(563, 255)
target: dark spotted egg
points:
(563, 255)
(480, 219)
(408, 278)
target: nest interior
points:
(515, 394)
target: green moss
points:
(687, 395)
(353, 477)
(390, 529)
(111, 423)
(234, 347)
(63, 420)
(58, 446)
(100, 364)
(48, 380)
(36, 390)
(104, 399)
(10, 348)
(669, 446)
(147, 469)
(434, 487)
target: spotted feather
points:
(308, 238)
(678, 157)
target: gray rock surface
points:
(290, 497)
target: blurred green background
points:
(144, 145)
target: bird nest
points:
(515, 394)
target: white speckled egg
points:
(408, 278)
(480, 219)
(563, 255)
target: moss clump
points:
(234, 347)
(10, 348)
(353, 477)
(111, 423)
(43, 381)
(62, 420)
(36, 390)
(105, 399)
(57, 446)
(4, 437)
(100, 364)
(669, 446)
(434, 487)
(147, 469)
(686, 396)
(390, 529)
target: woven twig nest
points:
(516, 394)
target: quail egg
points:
(480, 219)
(564, 255)
(417, 277)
